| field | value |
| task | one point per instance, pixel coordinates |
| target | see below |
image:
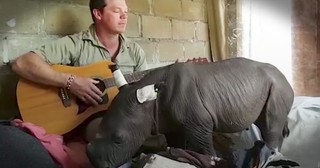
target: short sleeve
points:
(62, 51)
(140, 58)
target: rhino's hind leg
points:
(272, 120)
(199, 139)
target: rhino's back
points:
(232, 92)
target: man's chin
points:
(119, 31)
(121, 28)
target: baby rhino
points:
(194, 100)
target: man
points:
(102, 41)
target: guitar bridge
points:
(65, 97)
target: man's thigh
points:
(19, 149)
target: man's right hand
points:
(85, 90)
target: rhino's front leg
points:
(200, 140)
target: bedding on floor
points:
(301, 146)
(303, 143)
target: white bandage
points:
(146, 93)
(119, 78)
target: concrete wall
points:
(165, 29)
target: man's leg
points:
(19, 149)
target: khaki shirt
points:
(84, 48)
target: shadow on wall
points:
(8, 99)
(65, 23)
(28, 29)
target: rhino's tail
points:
(285, 131)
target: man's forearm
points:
(32, 67)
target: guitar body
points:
(42, 105)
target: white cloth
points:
(303, 143)
(157, 161)
(146, 93)
(119, 78)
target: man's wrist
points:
(70, 80)
(63, 79)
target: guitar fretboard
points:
(134, 77)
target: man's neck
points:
(108, 40)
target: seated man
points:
(102, 41)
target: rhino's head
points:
(124, 128)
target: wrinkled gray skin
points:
(195, 99)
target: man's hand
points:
(85, 90)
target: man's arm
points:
(32, 67)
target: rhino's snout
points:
(94, 157)
(90, 153)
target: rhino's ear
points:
(146, 93)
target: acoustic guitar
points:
(58, 111)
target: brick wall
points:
(169, 29)
(165, 29)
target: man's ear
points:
(97, 14)
(158, 87)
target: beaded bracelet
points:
(70, 80)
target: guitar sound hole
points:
(100, 85)
(102, 88)
(83, 106)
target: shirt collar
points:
(91, 35)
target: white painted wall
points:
(267, 33)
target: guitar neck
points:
(130, 78)
(136, 76)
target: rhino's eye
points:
(117, 138)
